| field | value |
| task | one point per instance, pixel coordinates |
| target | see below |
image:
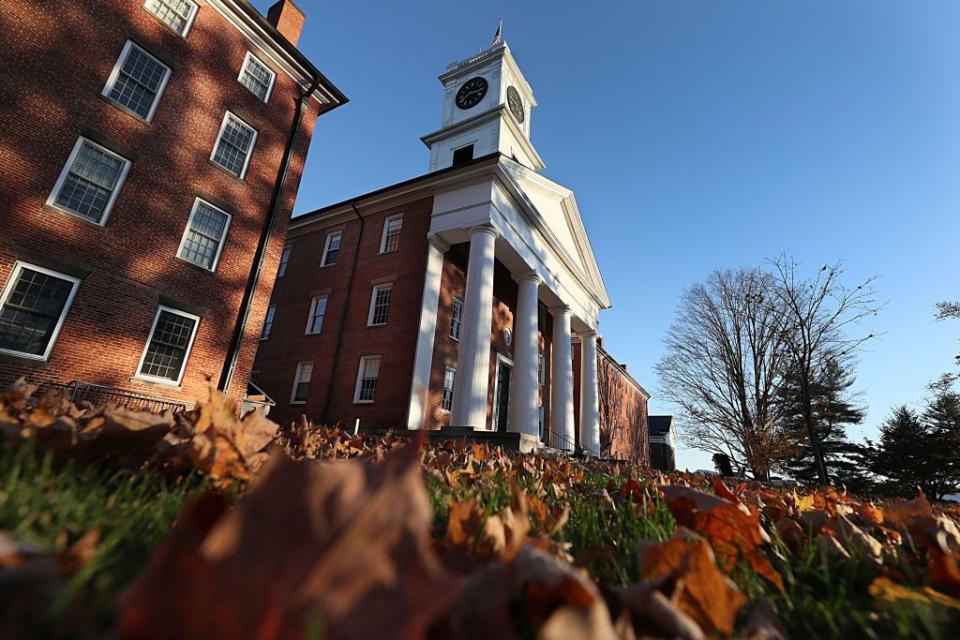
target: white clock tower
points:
(487, 107)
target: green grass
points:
(54, 507)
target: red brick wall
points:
(623, 411)
(57, 58)
(287, 345)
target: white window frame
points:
(443, 387)
(310, 316)
(223, 236)
(186, 27)
(373, 299)
(115, 74)
(326, 248)
(52, 198)
(453, 317)
(216, 144)
(297, 381)
(186, 356)
(273, 75)
(284, 260)
(18, 267)
(268, 322)
(360, 369)
(383, 234)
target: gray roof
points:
(659, 425)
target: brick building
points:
(455, 299)
(150, 155)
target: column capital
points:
(438, 242)
(559, 309)
(528, 276)
(485, 229)
(587, 333)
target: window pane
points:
(317, 310)
(449, 377)
(234, 145)
(301, 386)
(256, 77)
(456, 320)
(381, 305)
(173, 13)
(332, 249)
(391, 235)
(284, 259)
(268, 322)
(203, 237)
(168, 346)
(139, 81)
(370, 372)
(90, 182)
(32, 311)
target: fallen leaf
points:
(885, 589)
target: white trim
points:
(18, 268)
(360, 370)
(223, 236)
(310, 316)
(494, 414)
(115, 74)
(273, 76)
(383, 233)
(453, 316)
(373, 299)
(186, 26)
(326, 248)
(282, 267)
(216, 144)
(297, 381)
(268, 322)
(443, 387)
(52, 198)
(186, 355)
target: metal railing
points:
(565, 443)
(78, 390)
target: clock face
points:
(472, 92)
(515, 103)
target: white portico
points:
(512, 216)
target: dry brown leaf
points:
(884, 589)
(343, 544)
(654, 615)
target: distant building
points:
(663, 443)
(150, 155)
(455, 299)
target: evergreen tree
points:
(942, 421)
(833, 409)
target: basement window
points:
(462, 155)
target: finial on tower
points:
(497, 36)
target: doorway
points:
(501, 394)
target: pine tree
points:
(903, 453)
(942, 421)
(833, 409)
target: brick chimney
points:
(288, 20)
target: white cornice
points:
(268, 46)
(498, 111)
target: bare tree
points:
(611, 405)
(948, 311)
(819, 314)
(725, 354)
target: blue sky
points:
(696, 134)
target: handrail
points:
(78, 390)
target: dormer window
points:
(463, 155)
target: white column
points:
(589, 398)
(423, 362)
(524, 387)
(473, 363)
(561, 381)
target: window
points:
(234, 145)
(367, 375)
(379, 305)
(176, 14)
(449, 377)
(301, 383)
(137, 81)
(168, 347)
(268, 322)
(391, 234)
(33, 307)
(284, 259)
(255, 376)
(331, 248)
(541, 369)
(203, 239)
(257, 77)
(89, 182)
(318, 307)
(463, 154)
(456, 319)
(542, 421)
